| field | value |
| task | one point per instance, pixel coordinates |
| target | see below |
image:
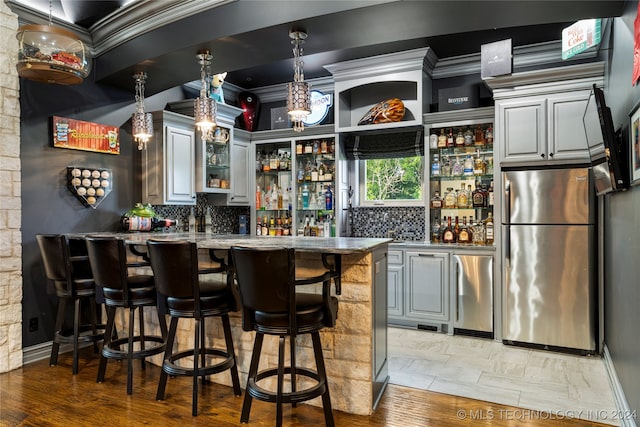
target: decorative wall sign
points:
(320, 105)
(89, 185)
(87, 136)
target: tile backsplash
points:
(405, 223)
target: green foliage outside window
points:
(394, 179)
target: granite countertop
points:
(335, 245)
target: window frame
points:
(363, 202)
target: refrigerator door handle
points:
(457, 263)
(507, 231)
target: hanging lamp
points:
(205, 106)
(298, 91)
(141, 122)
(49, 54)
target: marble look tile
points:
(489, 370)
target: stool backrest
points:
(56, 257)
(266, 281)
(108, 258)
(175, 268)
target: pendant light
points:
(298, 91)
(49, 54)
(205, 106)
(141, 122)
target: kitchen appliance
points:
(549, 280)
(474, 295)
(607, 148)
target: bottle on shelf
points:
(459, 141)
(305, 197)
(478, 233)
(445, 168)
(328, 198)
(280, 198)
(298, 147)
(478, 196)
(435, 166)
(457, 168)
(479, 167)
(448, 235)
(314, 173)
(450, 139)
(488, 135)
(450, 199)
(433, 140)
(258, 198)
(265, 226)
(490, 196)
(479, 136)
(258, 226)
(436, 200)
(469, 138)
(435, 232)
(192, 221)
(308, 148)
(467, 167)
(456, 230)
(323, 146)
(442, 139)
(488, 227)
(463, 197)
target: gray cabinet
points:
(240, 154)
(395, 285)
(168, 163)
(539, 114)
(427, 286)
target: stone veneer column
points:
(10, 201)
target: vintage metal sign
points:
(580, 36)
(87, 136)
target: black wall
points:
(47, 205)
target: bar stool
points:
(108, 257)
(270, 305)
(179, 283)
(73, 282)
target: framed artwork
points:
(86, 136)
(634, 145)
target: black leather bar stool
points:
(73, 282)
(270, 305)
(108, 257)
(188, 294)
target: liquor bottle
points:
(321, 172)
(138, 223)
(323, 146)
(450, 139)
(490, 196)
(274, 161)
(208, 223)
(265, 226)
(442, 139)
(305, 197)
(463, 197)
(457, 169)
(307, 172)
(479, 136)
(488, 227)
(300, 172)
(433, 141)
(272, 226)
(450, 199)
(464, 236)
(266, 163)
(316, 147)
(467, 167)
(192, 221)
(258, 198)
(445, 168)
(308, 148)
(479, 167)
(488, 135)
(435, 166)
(478, 233)
(468, 137)
(298, 147)
(314, 173)
(267, 198)
(258, 226)
(300, 230)
(280, 198)
(286, 199)
(436, 201)
(447, 234)
(328, 199)
(456, 230)
(478, 196)
(459, 138)
(435, 232)
(470, 198)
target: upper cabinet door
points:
(567, 140)
(240, 151)
(180, 185)
(521, 127)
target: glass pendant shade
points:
(204, 107)
(49, 54)
(298, 91)
(142, 128)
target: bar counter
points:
(355, 350)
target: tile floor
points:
(483, 369)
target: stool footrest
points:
(112, 350)
(297, 396)
(172, 369)
(66, 335)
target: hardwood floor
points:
(40, 395)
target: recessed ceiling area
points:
(249, 39)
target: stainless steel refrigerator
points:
(548, 233)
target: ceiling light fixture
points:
(48, 54)
(141, 122)
(205, 106)
(298, 91)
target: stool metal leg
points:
(196, 351)
(162, 384)
(55, 348)
(292, 349)
(231, 351)
(143, 365)
(322, 374)
(76, 334)
(280, 381)
(108, 337)
(94, 322)
(132, 317)
(251, 376)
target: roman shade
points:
(403, 142)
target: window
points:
(392, 181)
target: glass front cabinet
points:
(461, 181)
(294, 186)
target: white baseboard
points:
(618, 393)
(42, 351)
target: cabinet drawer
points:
(395, 257)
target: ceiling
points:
(250, 39)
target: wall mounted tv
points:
(607, 148)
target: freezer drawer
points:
(549, 293)
(473, 275)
